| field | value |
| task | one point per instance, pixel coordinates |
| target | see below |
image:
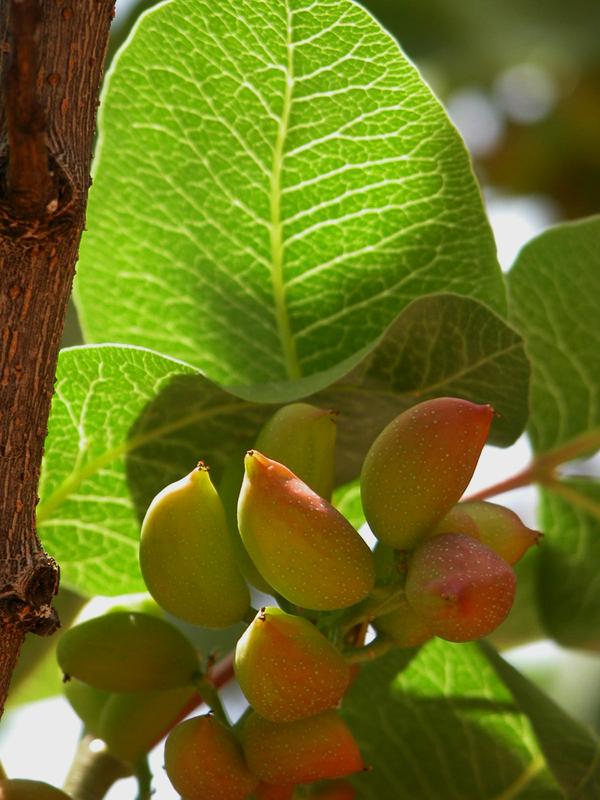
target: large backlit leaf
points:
(274, 184)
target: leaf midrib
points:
(76, 478)
(286, 337)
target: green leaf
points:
(348, 502)
(126, 422)
(86, 518)
(274, 184)
(554, 290)
(523, 624)
(438, 723)
(443, 345)
(569, 580)
(471, 354)
(572, 751)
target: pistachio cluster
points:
(441, 568)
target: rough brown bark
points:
(52, 59)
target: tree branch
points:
(29, 181)
(52, 59)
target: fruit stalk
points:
(375, 649)
(93, 772)
(210, 695)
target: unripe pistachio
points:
(127, 652)
(229, 492)
(307, 750)
(304, 548)
(187, 557)
(302, 437)
(87, 702)
(457, 520)
(404, 626)
(287, 669)
(204, 761)
(269, 791)
(419, 466)
(131, 723)
(20, 789)
(496, 526)
(461, 588)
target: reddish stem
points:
(524, 478)
(543, 468)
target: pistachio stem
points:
(375, 649)
(93, 771)
(543, 467)
(210, 695)
(523, 478)
(144, 779)
(382, 601)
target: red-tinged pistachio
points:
(304, 548)
(496, 526)
(302, 437)
(333, 790)
(461, 588)
(419, 467)
(204, 761)
(287, 669)
(269, 791)
(187, 557)
(307, 750)
(404, 626)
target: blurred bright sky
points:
(39, 740)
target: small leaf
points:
(555, 291)
(274, 183)
(439, 723)
(86, 517)
(569, 579)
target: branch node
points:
(26, 604)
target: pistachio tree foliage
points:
(283, 217)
